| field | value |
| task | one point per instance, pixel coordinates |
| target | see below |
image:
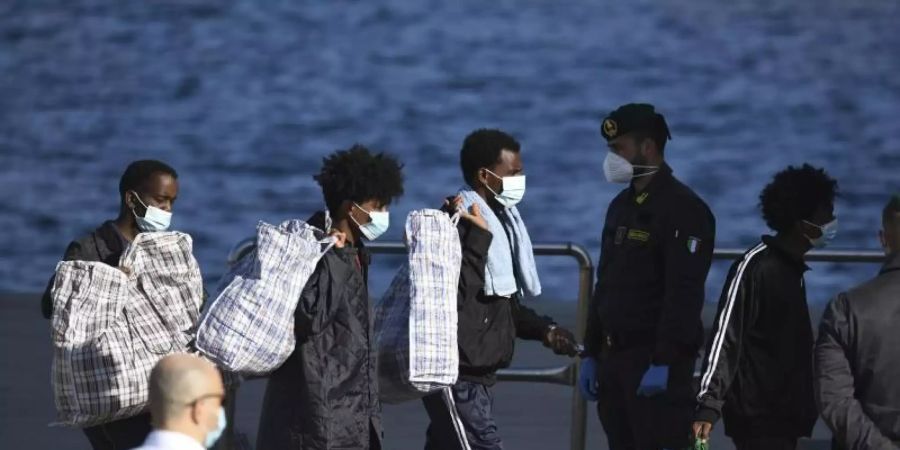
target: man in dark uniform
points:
(644, 328)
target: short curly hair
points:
(482, 148)
(794, 195)
(358, 175)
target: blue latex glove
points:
(654, 382)
(587, 379)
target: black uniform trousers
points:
(123, 434)
(637, 422)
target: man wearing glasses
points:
(186, 394)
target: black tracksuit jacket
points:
(757, 373)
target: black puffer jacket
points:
(325, 396)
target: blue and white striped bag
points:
(249, 327)
(416, 319)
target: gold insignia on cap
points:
(610, 127)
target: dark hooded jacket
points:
(325, 396)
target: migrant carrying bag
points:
(416, 319)
(249, 327)
(110, 328)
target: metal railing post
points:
(585, 289)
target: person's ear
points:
(483, 177)
(197, 414)
(133, 202)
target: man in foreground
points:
(186, 394)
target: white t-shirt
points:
(169, 440)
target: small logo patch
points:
(610, 127)
(640, 199)
(693, 244)
(620, 235)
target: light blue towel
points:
(510, 267)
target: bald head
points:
(176, 382)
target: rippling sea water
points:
(245, 97)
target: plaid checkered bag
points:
(249, 327)
(416, 319)
(109, 329)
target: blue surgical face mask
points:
(154, 219)
(377, 226)
(513, 190)
(213, 436)
(829, 232)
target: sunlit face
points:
(508, 164)
(160, 190)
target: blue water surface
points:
(245, 97)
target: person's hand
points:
(473, 215)
(701, 431)
(561, 341)
(340, 238)
(654, 381)
(587, 379)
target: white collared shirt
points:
(169, 440)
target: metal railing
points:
(568, 375)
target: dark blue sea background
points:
(245, 97)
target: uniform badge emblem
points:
(610, 127)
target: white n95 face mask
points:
(513, 190)
(617, 169)
(154, 219)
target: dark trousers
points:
(462, 418)
(635, 422)
(123, 434)
(762, 443)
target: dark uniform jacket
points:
(758, 367)
(488, 325)
(106, 244)
(656, 250)
(858, 363)
(325, 396)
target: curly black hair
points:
(482, 148)
(358, 175)
(794, 195)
